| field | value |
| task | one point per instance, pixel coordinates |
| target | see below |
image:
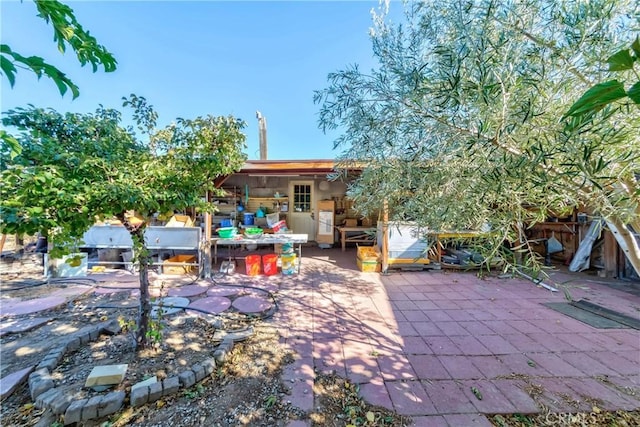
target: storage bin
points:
(227, 232)
(368, 253)
(368, 266)
(368, 259)
(252, 264)
(178, 264)
(248, 218)
(270, 264)
(288, 263)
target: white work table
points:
(265, 239)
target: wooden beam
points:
(385, 236)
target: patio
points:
(423, 342)
(443, 347)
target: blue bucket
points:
(226, 223)
(248, 218)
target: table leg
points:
(342, 240)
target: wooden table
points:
(365, 235)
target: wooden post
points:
(609, 254)
(385, 237)
(207, 243)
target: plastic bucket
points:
(252, 263)
(248, 218)
(270, 264)
(288, 264)
(226, 223)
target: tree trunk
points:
(141, 257)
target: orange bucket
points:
(270, 264)
(252, 263)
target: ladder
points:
(629, 241)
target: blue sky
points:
(204, 57)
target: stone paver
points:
(14, 326)
(222, 291)
(212, 305)
(10, 382)
(168, 305)
(187, 291)
(35, 305)
(252, 303)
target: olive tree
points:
(462, 124)
(75, 168)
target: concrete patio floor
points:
(421, 342)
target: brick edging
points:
(47, 396)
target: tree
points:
(76, 167)
(461, 122)
(67, 31)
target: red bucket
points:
(252, 263)
(270, 264)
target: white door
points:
(301, 207)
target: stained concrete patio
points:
(421, 342)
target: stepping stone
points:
(10, 382)
(222, 291)
(72, 291)
(240, 335)
(15, 326)
(252, 304)
(31, 306)
(211, 305)
(120, 276)
(169, 305)
(187, 291)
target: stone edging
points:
(46, 396)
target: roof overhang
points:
(287, 167)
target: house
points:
(290, 188)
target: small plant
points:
(127, 325)
(270, 400)
(194, 391)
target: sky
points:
(194, 58)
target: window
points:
(302, 197)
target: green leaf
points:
(620, 61)
(8, 69)
(634, 93)
(13, 144)
(635, 46)
(476, 392)
(597, 98)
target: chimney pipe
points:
(262, 135)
